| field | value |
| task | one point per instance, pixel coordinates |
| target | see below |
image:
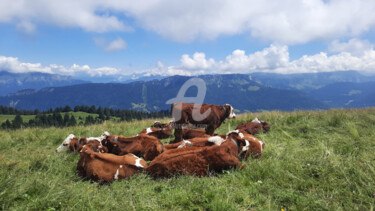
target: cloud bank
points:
(286, 22)
(354, 55)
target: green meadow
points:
(313, 160)
(79, 116)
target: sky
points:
(115, 39)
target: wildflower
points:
(260, 182)
(282, 209)
(88, 188)
(249, 201)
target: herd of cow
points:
(193, 151)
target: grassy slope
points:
(316, 160)
(26, 118)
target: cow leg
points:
(210, 130)
(177, 135)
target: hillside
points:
(313, 160)
(238, 90)
(347, 95)
(309, 81)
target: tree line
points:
(54, 117)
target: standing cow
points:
(205, 115)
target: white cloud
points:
(116, 45)
(272, 59)
(286, 22)
(276, 59)
(355, 47)
(12, 64)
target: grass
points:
(76, 115)
(321, 160)
(5, 117)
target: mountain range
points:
(13, 82)
(245, 92)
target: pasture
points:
(313, 160)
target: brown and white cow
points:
(254, 127)
(187, 113)
(193, 133)
(141, 145)
(254, 147)
(77, 144)
(159, 130)
(199, 161)
(196, 142)
(74, 144)
(105, 167)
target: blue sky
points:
(109, 40)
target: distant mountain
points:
(347, 95)
(13, 82)
(309, 81)
(240, 91)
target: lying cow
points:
(254, 127)
(75, 144)
(254, 147)
(105, 167)
(215, 115)
(199, 161)
(193, 133)
(141, 145)
(158, 130)
(196, 142)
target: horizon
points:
(112, 40)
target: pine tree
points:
(66, 119)
(72, 121)
(17, 122)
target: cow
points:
(141, 145)
(158, 130)
(215, 115)
(199, 161)
(75, 144)
(254, 147)
(254, 127)
(158, 124)
(196, 142)
(193, 133)
(105, 167)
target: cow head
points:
(65, 144)
(255, 147)
(256, 120)
(266, 126)
(111, 144)
(90, 148)
(238, 139)
(230, 111)
(104, 135)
